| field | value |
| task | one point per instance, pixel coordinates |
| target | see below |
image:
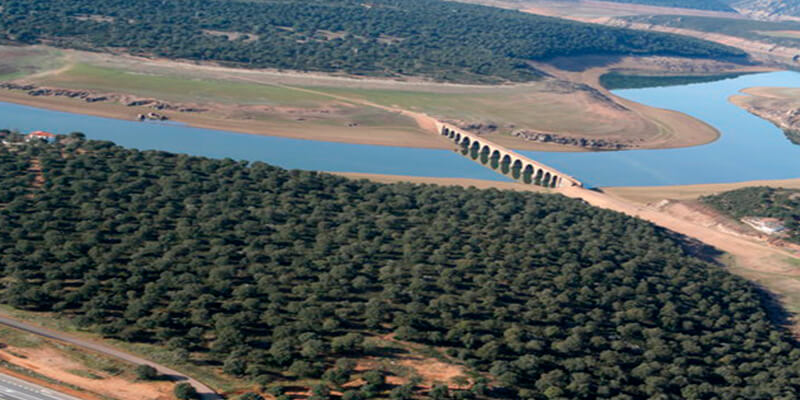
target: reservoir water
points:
(749, 149)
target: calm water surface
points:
(749, 149)
(284, 152)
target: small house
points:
(41, 136)
(770, 226)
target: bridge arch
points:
(494, 159)
(505, 164)
(504, 160)
(475, 149)
(527, 174)
(516, 169)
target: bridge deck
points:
(542, 173)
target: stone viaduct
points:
(509, 162)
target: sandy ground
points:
(752, 255)
(651, 194)
(51, 363)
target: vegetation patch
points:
(762, 202)
(446, 41)
(276, 276)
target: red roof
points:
(43, 134)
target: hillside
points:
(436, 39)
(767, 9)
(711, 5)
(762, 202)
(298, 278)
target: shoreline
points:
(398, 136)
(636, 194)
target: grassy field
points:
(175, 88)
(534, 106)
(18, 62)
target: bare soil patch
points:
(48, 361)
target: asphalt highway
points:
(206, 393)
(16, 389)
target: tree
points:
(185, 391)
(146, 372)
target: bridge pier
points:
(519, 167)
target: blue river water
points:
(749, 149)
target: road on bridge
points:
(206, 393)
(16, 389)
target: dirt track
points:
(206, 392)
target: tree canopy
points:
(281, 275)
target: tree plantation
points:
(441, 40)
(279, 276)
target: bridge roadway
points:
(536, 172)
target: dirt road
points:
(205, 392)
(749, 254)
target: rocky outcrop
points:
(587, 143)
(769, 10)
(560, 86)
(91, 97)
(788, 120)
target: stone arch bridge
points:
(507, 161)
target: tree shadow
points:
(584, 62)
(696, 248)
(776, 313)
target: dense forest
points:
(432, 38)
(762, 201)
(712, 5)
(279, 275)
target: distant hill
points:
(437, 39)
(767, 9)
(711, 5)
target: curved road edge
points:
(206, 393)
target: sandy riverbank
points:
(779, 105)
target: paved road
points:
(16, 389)
(205, 392)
